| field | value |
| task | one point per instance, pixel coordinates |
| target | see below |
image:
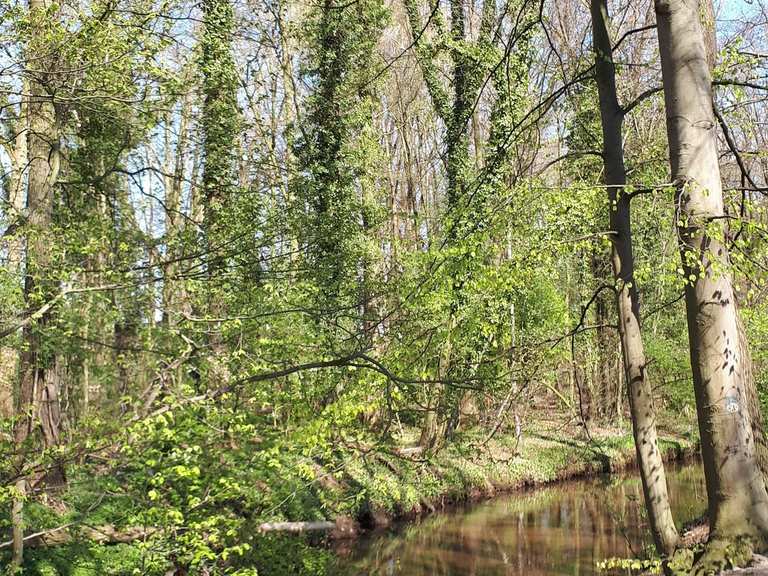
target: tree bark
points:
(639, 387)
(38, 406)
(737, 498)
(38, 394)
(753, 401)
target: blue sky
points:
(730, 9)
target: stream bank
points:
(390, 488)
(396, 487)
(363, 490)
(587, 526)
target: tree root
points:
(720, 555)
(679, 563)
(715, 557)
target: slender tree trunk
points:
(639, 387)
(174, 294)
(15, 196)
(738, 502)
(434, 425)
(603, 375)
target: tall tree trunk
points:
(220, 123)
(753, 400)
(38, 407)
(737, 497)
(174, 295)
(39, 386)
(627, 301)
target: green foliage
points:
(280, 554)
(92, 560)
(334, 149)
(266, 344)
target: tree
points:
(14, 195)
(220, 124)
(220, 116)
(737, 497)
(639, 388)
(38, 410)
(493, 53)
(332, 152)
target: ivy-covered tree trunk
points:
(639, 387)
(220, 120)
(329, 189)
(454, 106)
(737, 497)
(220, 124)
(332, 154)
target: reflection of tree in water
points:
(561, 529)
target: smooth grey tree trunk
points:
(710, 42)
(639, 387)
(737, 498)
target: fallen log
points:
(343, 527)
(297, 527)
(410, 451)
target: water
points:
(562, 529)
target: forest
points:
(279, 277)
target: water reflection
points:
(563, 529)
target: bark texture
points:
(627, 299)
(39, 387)
(737, 498)
(38, 408)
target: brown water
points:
(561, 529)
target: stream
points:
(560, 529)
